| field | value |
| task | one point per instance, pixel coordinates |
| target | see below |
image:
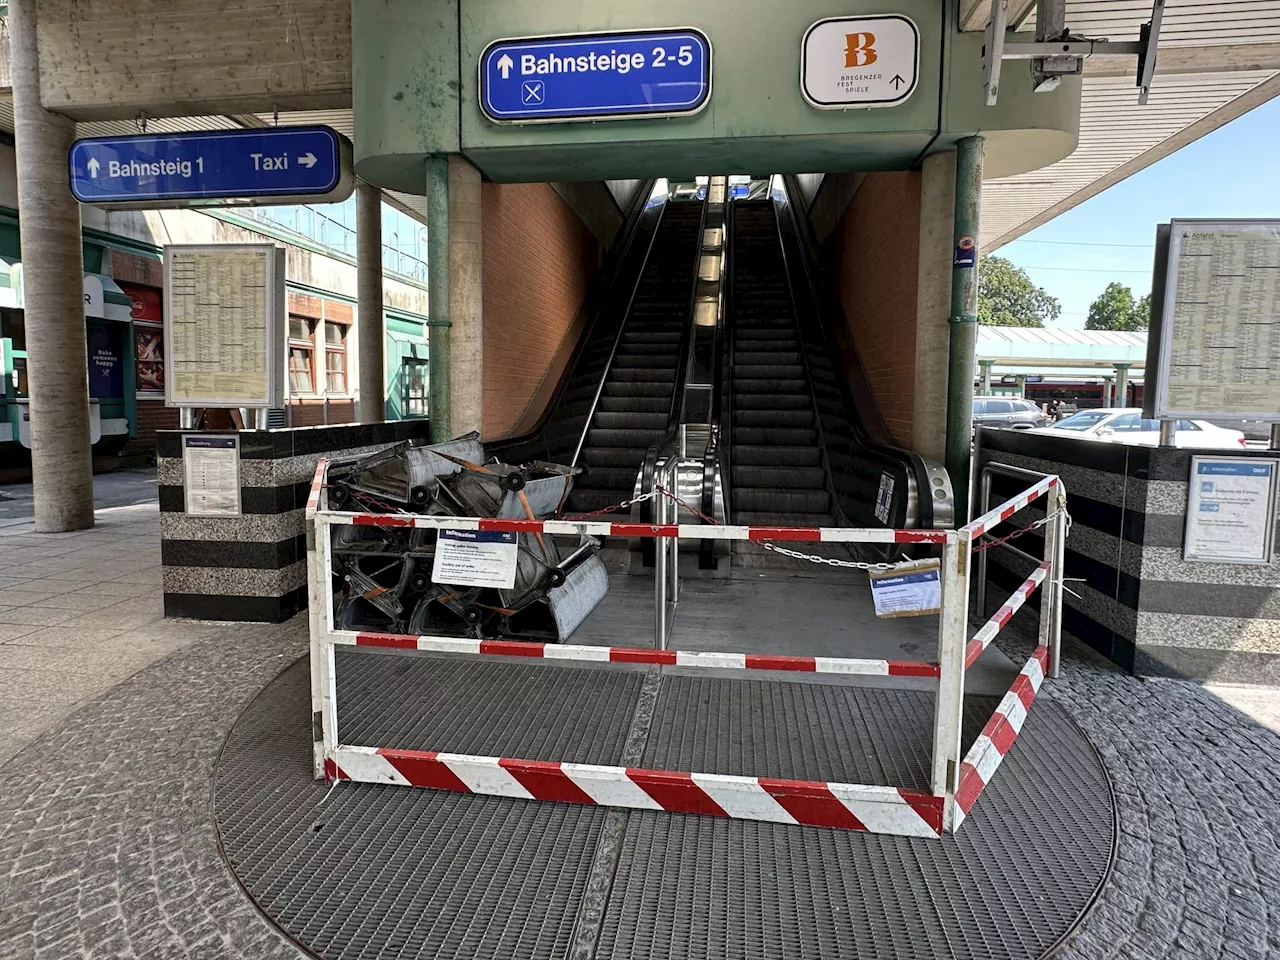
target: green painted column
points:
(439, 405)
(985, 366)
(964, 320)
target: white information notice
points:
(476, 558)
(1231, 510)
(850, 62)
(911, 590)
(1220, 341)
(211, 475)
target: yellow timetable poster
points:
(220, 320)
(1221, 338)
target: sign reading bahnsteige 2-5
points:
(851, 62)
(605, 76)
(271, 162)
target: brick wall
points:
(875, 253)
(539, 260)
(153, 415)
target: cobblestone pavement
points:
(107, 845)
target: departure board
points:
(1220, 331)
(224, 325)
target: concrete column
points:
(984, 387)
(52, 268)
(1107, 395)
(1122, 385)
(465, 306)
(1021, 381)
(369, 327)
(964, 320)
(933, 304)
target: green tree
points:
(1115, 309)
(1008, 298)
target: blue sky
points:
(1232, 172)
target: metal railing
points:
(955, 779)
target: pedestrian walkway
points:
(114, 721)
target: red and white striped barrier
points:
(673, 658)
(317, 484)
(598, 528)
(1007, 509)
(997, 737)
(812, 803)
(982, 639)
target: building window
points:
(302, 350)
(335, 357)
(148, 352)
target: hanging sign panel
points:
(476, 558)
(1220, 332)
(849, 62)
(604, 76)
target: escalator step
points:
(643, 375)
(613, 478)
(612, 404)
(774, 455)
(613, 457)
(749, 372)
(781, 501)
(622, 438)
(587, 501)
(792, 344)
(770, 385)
(771, 418)
(771, 401)
(644, 361)
(635, 388)
(747, 477)
(784, 436)
(765, 357)
(760, 518)
(630, 420)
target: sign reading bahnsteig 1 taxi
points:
(852, 62)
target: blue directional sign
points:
(661, 73)
(271, 162)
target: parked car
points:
(1012, 412)
(1125, 425)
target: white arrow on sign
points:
(93, 166)
(308, 161)
(505, 63)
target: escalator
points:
(617, 397)
(801, 449)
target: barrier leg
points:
(1053, 595)
(315, 601)
(949, 704)
(984, 504)
(660, 579)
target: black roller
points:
(555, 577)
(419, 496)
(339, 494)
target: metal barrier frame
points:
(873, 808)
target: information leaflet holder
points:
(224, 327)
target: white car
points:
(1125, 425)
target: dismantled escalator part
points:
(384, 574)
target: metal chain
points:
(617, 506)
(829, 561)
(987, 545)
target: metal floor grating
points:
(368, 871)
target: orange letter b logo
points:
(859, 49)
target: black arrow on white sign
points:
(897, 81)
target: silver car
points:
(1013, 412)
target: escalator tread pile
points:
(777, 473)
(384, 576)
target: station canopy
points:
(1215, 62)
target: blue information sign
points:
(271, 162)
(659, 73)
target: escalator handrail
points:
(648, 471)
(917, 472)
(617, 338)
(597, 302)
